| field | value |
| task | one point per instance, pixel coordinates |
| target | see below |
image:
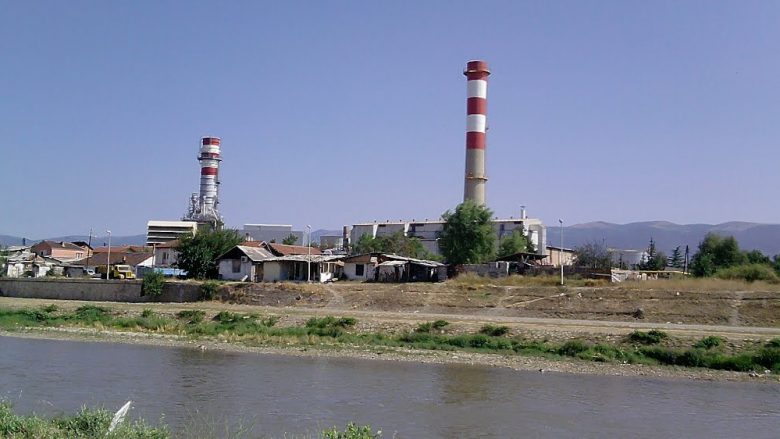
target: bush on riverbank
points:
(638, 348)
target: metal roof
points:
(255, 254)
(305, 258)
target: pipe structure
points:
(477, 73)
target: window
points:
(236, 265)
(359, 269)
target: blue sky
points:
(337, 112)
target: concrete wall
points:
(96, 289)
(350, 272)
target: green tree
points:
(290, 240)
(198, 253)
(756, 257)
(467, 236)
(593, 255)
(655, 260)
(716, 252)
(676, 259)
(515, 243)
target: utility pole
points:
(308, 256)
(108, 259)
(560, 251)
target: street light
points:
(308, 255)
(108, 259)
(560, 252)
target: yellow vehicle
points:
(118, 271)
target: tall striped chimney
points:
(476, 124)
(209, 159)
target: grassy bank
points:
(652, 348)
(95, 423)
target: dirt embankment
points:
(651, 305)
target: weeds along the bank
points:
(95, 423)
(652, 347)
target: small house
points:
(244, 263)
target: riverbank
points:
(336, 338)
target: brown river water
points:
(274, 394)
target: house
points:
(166, 254)
(61, 250)
(28, 265)
(133, 259)
(558, 255)
(382, 267)
(360, 267)
(319, 268)
(243, 262)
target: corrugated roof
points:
(304, 258)
(255, 254)
(287, 250)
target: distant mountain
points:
(6, 240)
(667, 236)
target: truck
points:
(117, 271)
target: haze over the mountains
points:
(667, 235)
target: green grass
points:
(86, 424)
(94, 424)
(637, 348)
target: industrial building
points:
(159, 232)
(428, 231)
(271, 232)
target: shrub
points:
(748, 272)
(329, 326)
(146, 313)
(91, 314)
(208, 290)
(352, 431)
(438, 325)
(49, 308)
(494, 331)
(768, 357)
(572, 347)
(192, 316)
(773, 343)
(153, 284)
(227, 317)
(709, 342)
(652, 337)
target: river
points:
(274, 394)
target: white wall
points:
(349, 271)
(226, 270)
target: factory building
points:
(271, 232)
(428, 231)
(158, 232)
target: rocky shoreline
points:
(515, 362)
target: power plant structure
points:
(477, 73)
(204, 206)
(428, 231)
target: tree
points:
(676, 259)
(593, 255)
(756, 257)
(395, 243)
(515, 243)
(654, 261)
(467, 236)
(716, 252)
(290, 240)
(198, 253)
